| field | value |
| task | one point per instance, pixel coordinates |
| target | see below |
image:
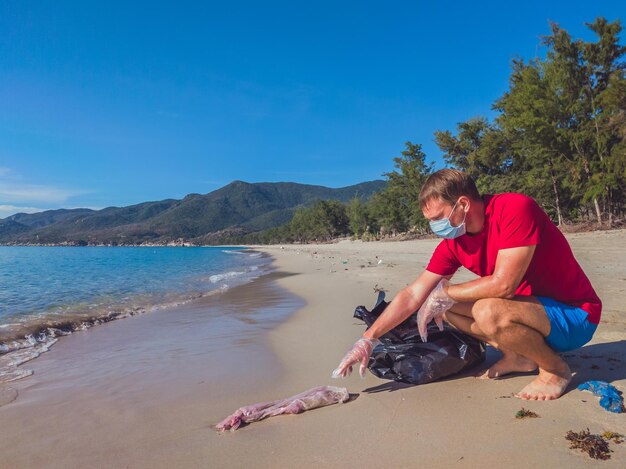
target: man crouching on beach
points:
(532, 301)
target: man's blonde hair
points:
(448, 185)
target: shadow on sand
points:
(603, 362)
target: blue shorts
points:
(570, 328)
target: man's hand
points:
(360, 352)
(437, 303)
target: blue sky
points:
(115, 103)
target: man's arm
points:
(405, 303)
(511, 266)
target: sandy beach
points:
(99, 399)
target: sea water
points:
(47, 292)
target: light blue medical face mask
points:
(444, 228)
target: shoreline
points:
(153, 415)
(566, 229)
(41, 339)
(129, 384)
(30, 336)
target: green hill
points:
(238, 207)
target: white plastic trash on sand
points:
(307, 400)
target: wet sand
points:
(130, 392)
(156, 410)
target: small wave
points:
(6, 326)
(219, 277)
(232, 251)
(6, 376)
(9, 362)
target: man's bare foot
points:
(509, 363)
(547, 385)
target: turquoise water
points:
(50, 291)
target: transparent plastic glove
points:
(359, 353)
(437, 303)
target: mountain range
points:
(237, 208)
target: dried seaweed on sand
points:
(594, 445)
(617, 438)
(525, 414)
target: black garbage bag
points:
(402, 356)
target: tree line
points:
(558, 135)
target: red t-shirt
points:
(515, 220)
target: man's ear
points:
(465, 201)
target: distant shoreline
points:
(566, 228)
(152, 245)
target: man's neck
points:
(475, 218)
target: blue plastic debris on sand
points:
(610, 397)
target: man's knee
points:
(489, 315)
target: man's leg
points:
(518, 326)
(460, 316)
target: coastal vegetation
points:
(558, 135)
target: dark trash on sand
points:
(402, 356)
